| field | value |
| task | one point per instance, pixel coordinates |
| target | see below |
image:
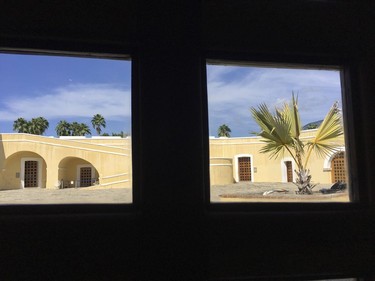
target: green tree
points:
(121, 134)
(63, 128)
(312, 126)
(84, 129)
(224, 131)
(80, 129)
(281, 133)
(21, 125)
(98, 122)
(38, 126)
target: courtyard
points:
(88, 195)
(237, 192)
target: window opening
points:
(291, 116)
(65, 130)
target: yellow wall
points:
(221, 171)
(265, 169)
(111, 159)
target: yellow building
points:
(238, 159)
(47, 162)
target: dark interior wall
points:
(171, 232)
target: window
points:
(256, 152)
(169, 232)
(65, 130)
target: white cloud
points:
(232, 91)
(74, 100)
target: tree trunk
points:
(303, 182)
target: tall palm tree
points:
(21, 125)
(38, 125)
(224, 131)
(63, 128)
(97, 122)
(281, 133)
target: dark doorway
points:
(31, 174)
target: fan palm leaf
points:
(275, 130)
(331, 128)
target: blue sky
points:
(233, 90)
(64, 88)
(75, 89)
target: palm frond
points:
(296, 120)
(331, 128)
(275, 130)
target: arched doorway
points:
(77, 172)
(338, 167)
(24, 169)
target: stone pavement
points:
(243, 191)
(66, 196)
(253, 192)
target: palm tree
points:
(38, 126)
(224, 131)
(281, 133)
(84, 129)
(121, 134)
(63, 128)
(97, 122)
(80, 129)
(21, 125)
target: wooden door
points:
(31, 174)
(85, 176)
(289, 171)
(338, 172)
(244, 167)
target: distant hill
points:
(312, 125)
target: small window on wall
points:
(65, 125)
(276, 134)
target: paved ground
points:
(253, 192)
(239, 192)
(66, 196)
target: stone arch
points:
(24, 169)
(77, 172)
